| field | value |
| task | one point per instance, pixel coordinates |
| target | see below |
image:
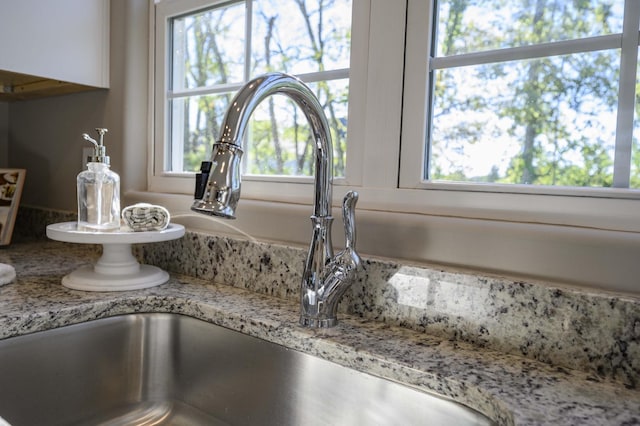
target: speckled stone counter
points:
(508, 387)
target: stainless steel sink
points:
(155, 369)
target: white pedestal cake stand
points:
(117, 269)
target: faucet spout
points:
(325, 278)
(223, 189)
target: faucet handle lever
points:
(349, 218)
(339, 274)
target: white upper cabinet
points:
(52, 47)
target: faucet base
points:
(318, 323)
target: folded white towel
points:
(7, 274)
(146, 217)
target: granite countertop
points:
(508, 388)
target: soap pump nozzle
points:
(100, 151)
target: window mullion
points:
(626, 95)
(328, 75)
(209, 90)
(543, 50)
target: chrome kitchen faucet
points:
(326, 277)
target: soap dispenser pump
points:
(98, 191)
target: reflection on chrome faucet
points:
(326, 277)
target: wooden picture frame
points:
(11, 184)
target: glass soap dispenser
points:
(98, 191)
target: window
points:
(540, 96)
(397, 71)
(216, 48)
(441, 142)
(529, 94)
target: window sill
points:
(607, 210)
(581, 255)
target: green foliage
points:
(550, 104)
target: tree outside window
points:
(212, 58)
(535, 100)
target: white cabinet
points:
(50, 47)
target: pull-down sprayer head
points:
(223, 187)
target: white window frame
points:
(297, 189)
(600, 208)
